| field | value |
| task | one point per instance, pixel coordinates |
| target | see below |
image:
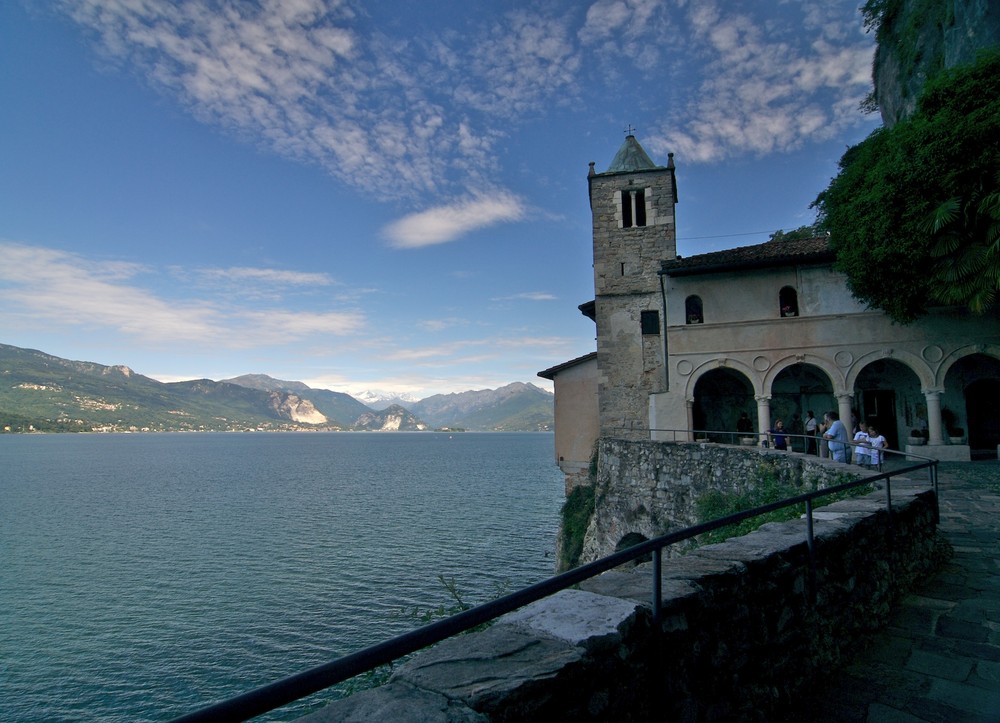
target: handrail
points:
(261, 700)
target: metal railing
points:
(292, 688)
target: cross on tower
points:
(629, 130)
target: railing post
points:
(932, 473)
(811, 545)
(657, 587)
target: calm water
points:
(144, 576)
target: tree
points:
(914, 212)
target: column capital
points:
(932, 391)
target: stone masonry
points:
(627, 256)
(650, 488)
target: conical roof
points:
(631, 157)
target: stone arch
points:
(971, 390)
(632, 539)
(889, 393)
(796, 387)
(710, 366)
(914, 363)
(990, 350)
(835, 378)
(721, 393)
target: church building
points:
(685, 345)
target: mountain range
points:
(41, 392)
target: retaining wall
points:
(741, 636)
(650, 488)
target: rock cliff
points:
(919, 38)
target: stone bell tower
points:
(633, 214)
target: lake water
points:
(145, 576)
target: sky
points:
(385, 195)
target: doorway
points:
(879, 408)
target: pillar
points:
(845, 401)
(763, 415)
(933, 398)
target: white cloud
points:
(57, 289)
(769, 87)
(446, 223)
(277, 277)
(528, 296)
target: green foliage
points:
(914, 212)
(764, 487)
(576, 514)
(802, 232)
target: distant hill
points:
(53, 394)
(515, 407)
(42, 392)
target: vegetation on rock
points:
(914, 213)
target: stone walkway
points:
(939, 658)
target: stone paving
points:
(939, 658)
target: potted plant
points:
(787, 310)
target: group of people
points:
(867, 450)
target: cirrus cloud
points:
(446, 223)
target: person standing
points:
(778, 436)
(811, 425)
(836, 435)
(878, 443)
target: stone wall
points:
(742, 634)
(650, 488)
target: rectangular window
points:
(640, 208)
(650, 322)
(626, 209)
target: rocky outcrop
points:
(919, 38)
(291, 406)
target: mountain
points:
(52, 394)
(42, 392)
(378, 399)
(391, 419)
(515, 407)
(343, 409)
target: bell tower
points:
(632, 204)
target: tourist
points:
(862, 452)
(811, 425)
(743, 424)
(836, 435)
(878, 443)
(778, 435)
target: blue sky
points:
(385, 195)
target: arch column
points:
(689, 405)
(933, 399)
(845, 402)
(763, 415)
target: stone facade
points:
(633, 230)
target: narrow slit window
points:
(640, 208)
(626, 209)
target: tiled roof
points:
(631, 157)
(770, 253)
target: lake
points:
(144, 576)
